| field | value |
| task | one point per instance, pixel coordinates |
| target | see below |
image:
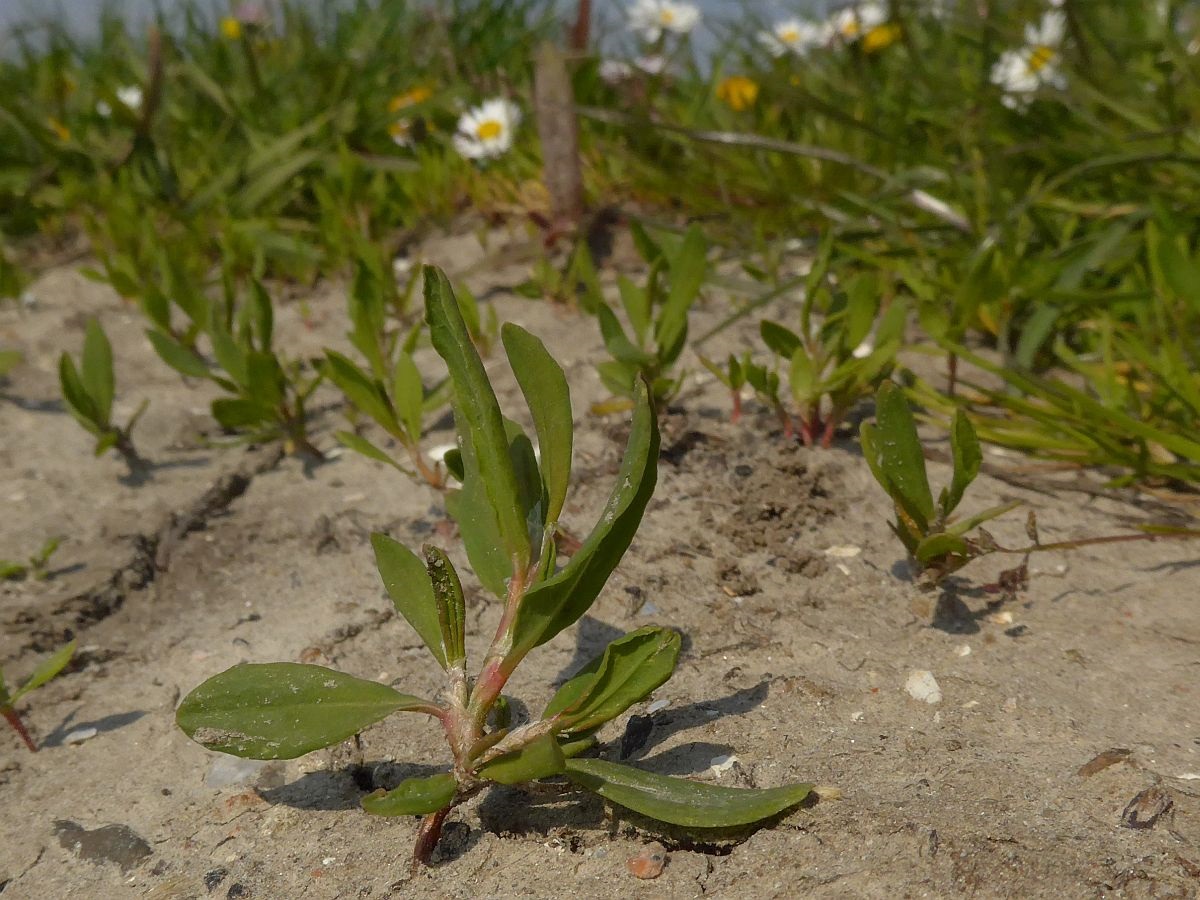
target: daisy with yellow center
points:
(1020, 73)
(795, 36)
(853, 23)
(401, 129)
(655, 18)
(738, 92)
(488, 130)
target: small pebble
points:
(79, 735)
(721, 764)
(649, 863)
(843, 568)
(921, 685)
(648, 609)
(657, 705)
(962, 650)
(843, 551)
(857, 716)
(1001, 618)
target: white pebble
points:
(962, 650)
(79, 735)
(857, 716)
(722, 764)
(921, 685)
(1001, 618)
(657, 705)
(843, 551)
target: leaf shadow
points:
(591, 637)
(669, 721)
(104, 724)
(332, 790)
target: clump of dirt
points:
(782, 492)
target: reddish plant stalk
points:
(428, 836)
(14, 720)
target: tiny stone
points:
(648, 609)
(79, 735)
(857, 716)
(649, 863)
(657, 705)
(721, 764)
(1001, 618)
(843, 551)
(921, 685)
(962, 650)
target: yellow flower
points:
(880, 36)
(738, 92)
(61, 131)
(231, 28)
(409, 98)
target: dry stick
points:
(558, 131)
(918, 198)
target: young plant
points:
(43, 673)
(835, 361)
(389, 390)
(267, 392)
(507, 512)
(37, 565)
(657, 314)
(742, 371)
(88, 392)
(938, 544)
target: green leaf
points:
(408, 394)
(236, 413)
(361, 445)
(546, 392)
(542, 758)
(413, 796)
(451, 606)
(50, 667)
(936, 546)
(97, 370)
(229, 356)
(636, 302)
(803, 377)
(263, 314)
(979, 518)
(682, 802)
(899, 457)
(967, 458)
(265, 379)
(76, 395)
(284, 710)
(411, 589)
(617, 343)
(560, 600)
(178, 357)
(687, 270)
(779, 340)
(360, 389)
(479, 413)
(630, 668)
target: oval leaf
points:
(964, 449)
(542, 758)
(284, 710)
(53, 664)
(97, 369)
(413, 796)
(545, 388)
(682, 802)
(899, 455)
(411, 589)
(630, 668)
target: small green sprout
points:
(267, 392)
(9, 360)
(507, 511)
(37, 565)
(835, 360)
(658, 315)
(43, 673)
(88, 391)
(934, 540)
(742, 371)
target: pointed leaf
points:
(558, 602)
(780, 340)
(899, 454)
(545, 389)
(687, 270)
(284, 710)
(50, 667)
(451, 607)
(630, 668)
(617, 343)
(360, 444)
(938, 545)
(479, 414)
(411, 589)
(360, 389)
(178, 357)
(413, 796)
(967, 458)
(682, 802)
(408, 394)
(97, 369)
(77, 397)
(542, 758)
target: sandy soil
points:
(795, 661)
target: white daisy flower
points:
(795, 36)
(103, 109)
(852, 23)
(130, 96)
(653, 18)
(487, 131)
(1020, 73)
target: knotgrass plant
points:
(49, 668)
(507, 511)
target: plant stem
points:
(492, 677)
(14, 720)
(428, 836)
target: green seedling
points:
(43, 673)
(507, 512)
(37, 566)
(267, 392)
(937, 542)
(844, 349)
(88, 391)
(740, 372)
(658, 316)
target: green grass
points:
(1052, 244)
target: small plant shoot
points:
(507, 510)
(43, 673)
(88, 391)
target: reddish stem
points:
(15, 721)
(736, 415)
(428, 836)
(827, 434)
